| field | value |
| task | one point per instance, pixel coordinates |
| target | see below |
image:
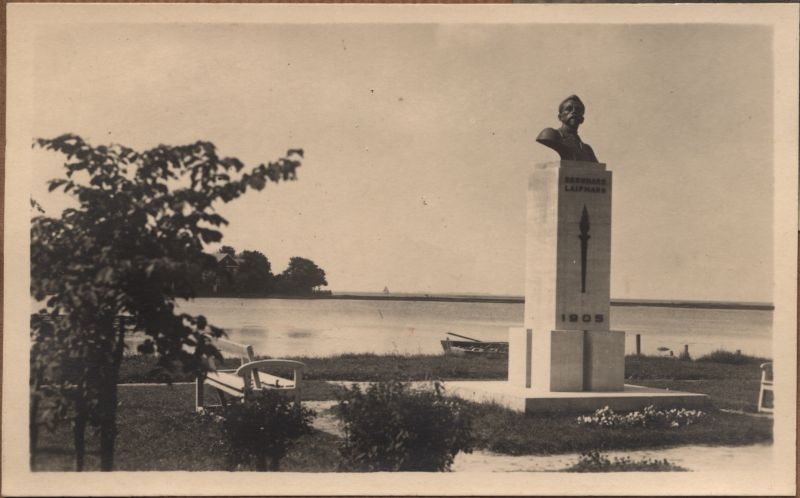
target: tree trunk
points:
(108, 403)
(79, 432)
(34, 428)
(33, 423)
(108, 436)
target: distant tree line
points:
(249, 274)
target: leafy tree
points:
(142, 223)
(227, 250)
(302, 276)
(254, 276)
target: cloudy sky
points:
(419, 139)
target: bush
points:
(259, 431)
(594, 461)
(647, 417)
(729, 358)
(390, 427)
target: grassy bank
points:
(732, 381)
(355, 367)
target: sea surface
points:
(325, 327)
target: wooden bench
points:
(251, 376)
(766, 385)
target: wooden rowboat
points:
(474, 347)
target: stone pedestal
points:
(565, 344)
(530, 401)
(565, 358)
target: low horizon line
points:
(513, 298)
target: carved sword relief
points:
(584, 236)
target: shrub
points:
(389, 427)
(649, 416)
(730, 358)
(259, 431)
(594, 461)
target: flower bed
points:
(649, 416)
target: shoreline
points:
(654, 303)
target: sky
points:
(419, 140)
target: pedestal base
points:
(604, 360)
(566, 360)
(530, 401)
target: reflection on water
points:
(289, 327)
(300, 334)
(251, 332)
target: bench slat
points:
(230, 383)
(272, 382)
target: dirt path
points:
(693, 458)
(325, 420)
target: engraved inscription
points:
(584, 317)
(580, 184)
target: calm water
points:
(287, 327)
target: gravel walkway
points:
(692, 458)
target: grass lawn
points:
(730, 385)
(504, 431)
(355, 367)
(160, 431)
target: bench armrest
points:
(246, 369)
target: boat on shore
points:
(474, 347)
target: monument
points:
(565, 344)
(566, 357)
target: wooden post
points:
(199, 402)
(638, 344)
(298, 379)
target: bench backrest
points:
(244, 352)
(766, 372)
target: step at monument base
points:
(529, 401)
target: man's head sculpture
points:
(570, 111)
(565, 140)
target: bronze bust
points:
(565, 140)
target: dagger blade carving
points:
(584, 236)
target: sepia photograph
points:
(258, 249)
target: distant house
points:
(227, 261)
(221, 273)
